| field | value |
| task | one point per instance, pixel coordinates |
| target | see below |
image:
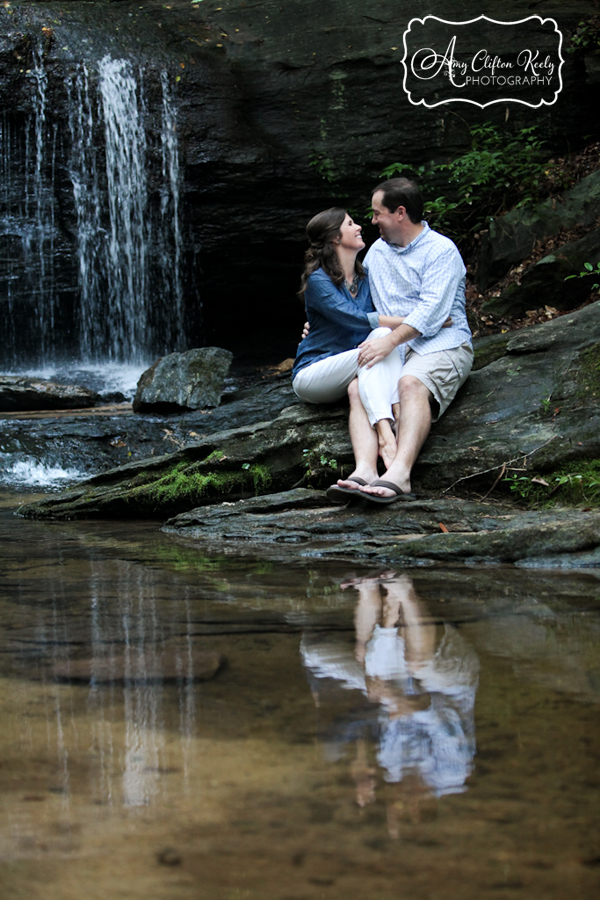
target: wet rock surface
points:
(105, 437)
(403, 534)
(135, 668)
(18, 393)
(535, 408)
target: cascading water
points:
(106, 285)
(125, 141)
(128, 258)
(86, 196)
(170, 226)
(27, 225)
(43, 209)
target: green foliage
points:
(588, 270)
(324, 166)
(520, 485)
(215, 457)
(586, 36)
(318, 466)
(498, 172)
(575, 483)
(261, 477)
(330, 175)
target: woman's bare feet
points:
(357, 480)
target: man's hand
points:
(305, 331)
(374, 351)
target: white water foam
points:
(104, 378)
(110, 378)
(29, 473)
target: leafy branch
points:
(588, 269)
(498, 172)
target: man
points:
(416, 273)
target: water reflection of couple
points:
(420, 679)
(393, 334)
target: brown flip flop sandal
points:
(385, 501)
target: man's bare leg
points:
(364, 442)
(414, 425)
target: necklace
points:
(353, 285)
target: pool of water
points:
(183, 725)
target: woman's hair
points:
(402, 192)
(321, 231)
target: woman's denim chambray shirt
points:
(338, 321)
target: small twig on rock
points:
(502, 471)
(503, 465)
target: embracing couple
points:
(393, 333)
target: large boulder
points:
(302, 445)
(182, 381)
(536, 407)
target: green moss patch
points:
(588, 374)
(488, 350)
(185, 483)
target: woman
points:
(341, 316)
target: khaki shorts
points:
(442, 372)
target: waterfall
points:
(131, 298)
(171, 258)
(27, 225)
(125, 141)
(87, 201)
(43, 208)
(90, 236)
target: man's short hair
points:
(402, 192)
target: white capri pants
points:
(327, 380)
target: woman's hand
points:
(446, 324)
(305, 330)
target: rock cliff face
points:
(244, 119)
